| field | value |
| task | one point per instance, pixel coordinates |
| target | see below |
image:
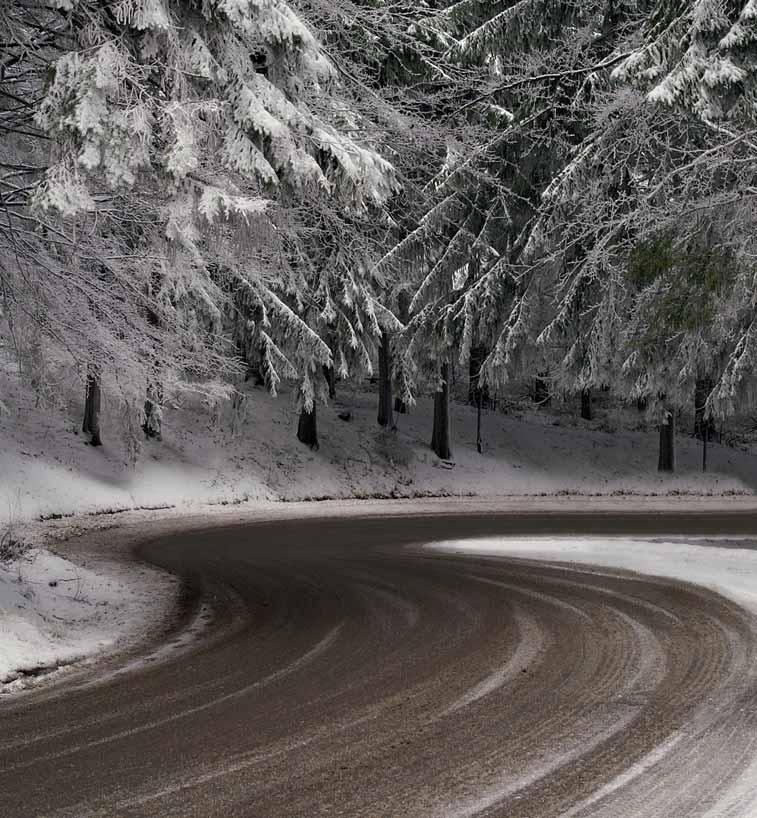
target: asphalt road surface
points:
(349, 673)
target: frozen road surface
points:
(353, 671)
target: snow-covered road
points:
(352, 670)
(696, 765)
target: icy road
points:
(353, 671)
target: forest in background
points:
(194, 193)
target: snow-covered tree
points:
(539, 62)
(177, 132)
(700, 56)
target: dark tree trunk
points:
(385, 382)
(254, 373)
(307, 429)
(153, 423)
(255, 367)
(479, 441)
(667, 458)
(641, 404)
(586, 413)
(541, 390)
(703, 426)
(92, 400)
(330, 376)
(477, 393)
(440, 437)
(403, 308)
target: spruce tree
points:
(181, 131)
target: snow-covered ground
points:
(731, 571)
(209, 457)
(55, 611)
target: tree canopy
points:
(192, 186)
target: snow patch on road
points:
(730, 571)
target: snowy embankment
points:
(209, 457)
(55, 611)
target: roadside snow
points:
(54, 612)
(215, 456)
(731, 571)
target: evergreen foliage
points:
(189, 186)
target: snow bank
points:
(54, 612)
(731, 571)
(209, 458)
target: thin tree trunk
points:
(255, 366)
(403, 308)
(477, 358)
(702, 424)
(330, 376)
(667, 456)
(385, 382)
(307, 428)
(704, 450)
(541, 393)
(479, 441)
(586, 413)
(153, 423)
(440, 437)
(92, 401)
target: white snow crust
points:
(731, 572)
(54, 611)
(209, 457)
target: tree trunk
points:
(703, 426)
(403, 307)
(255, 366)
(92, 400)
(330, 376)
(385, 382)
(541, 393)
(479, 441)
(586, 413)
(153, 423)
(477, 358)
(667, 457)
(307, 429)
(440, 437)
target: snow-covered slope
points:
(54, 611)
(210, 457)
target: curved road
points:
(349, 673)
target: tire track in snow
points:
(647, 675)
(531, 640)
(154, 724)
(634, 686)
